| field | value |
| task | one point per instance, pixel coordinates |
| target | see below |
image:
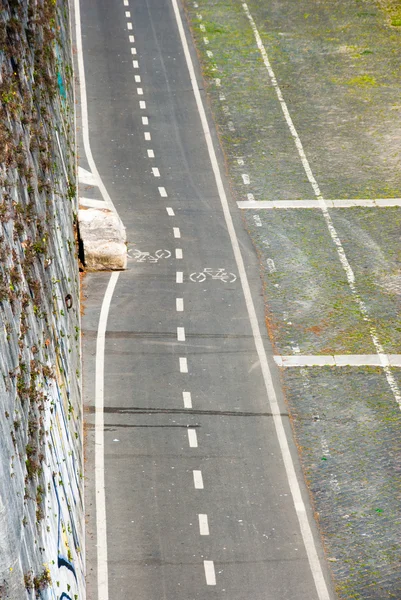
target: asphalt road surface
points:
(201, 488)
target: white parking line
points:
(181, 334)
(299, 505)
(179, 277)
(155, 172)
(179, 304)
(176, 232)
(187, 399)
(178, 253)
(162, 192)
(192, 438)
(198, 480)
(151, 154)
(203, 525)
(209, 572)
(183, 364)
(170, 211)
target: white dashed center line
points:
(183, 364)
(179, 304)
(186, 396)
(135, 64)
(133, 51)
(162, 192)
(139, 91)
(192, 438)
(178, 253)
(137, 79)
(151, 154)
(131, 39)
(128, 14)
(126, 3)
(145, 121)
(142, 104)
(181, 334)
(147, 135)
(177, 232)
(209, 572)
(129, 26)
(155, 171)
(170, 211)
(203, 525)
(179, 277)
(198, 480)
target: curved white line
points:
(306, 531)
(101, 525)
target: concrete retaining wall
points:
(41, 495)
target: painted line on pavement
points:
(210, 573)
(183, 364)
(179, 304)
(198, 480)
(139, 91)
(325, 212)
(101, 520)
(137, 78)
(147, 136)
(162, 192)
(131, 39)
(156, 172)
(181, 334)
(145, 121)
(336, 203)
(179, 277)
(178, 253)
(135, 64)
(336, 360)
(187, 399)
(176, 232)
(299, 504)
(192, 438)
(129, 26)
(151, 154)
(142, 104)
(133, 51)
(170, 211)
(127, 14)
(203, 525)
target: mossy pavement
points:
(337, 65)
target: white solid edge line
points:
(84, 108)
(101, 523)
(300, 508)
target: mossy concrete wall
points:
(41, 501)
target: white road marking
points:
(126, 3)
(336, 203)
(131, 39)
(179, 304)
(147, 136)
(337, 360)
(162, 192)
(210, 573)
(245, 178)
(128, 14)
(176, 232)
(179, 277)
(139, 91)
(198, 480)
(155, 172)
(133, 51)
(129, 26)
(299, 505)
(170, 211)
(178, 253)
(135, 64)
(151, 154)
(142, 104)
(145, 121)
(181, 334)
(330, 226)
(101, 517)
(86, 177)
(137, 78)
(186, 396)
(203, 525)
(91, 203)
(192, 438)
(183, 364)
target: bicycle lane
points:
(196, 494)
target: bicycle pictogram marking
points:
(147, 257)
(219, 274)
